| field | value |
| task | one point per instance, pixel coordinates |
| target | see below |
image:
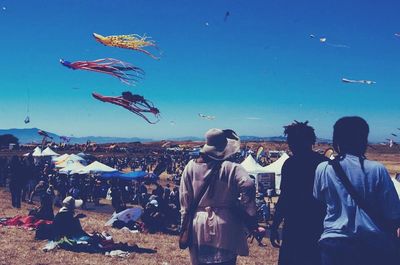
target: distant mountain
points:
(31, 136)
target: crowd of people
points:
(341, 211)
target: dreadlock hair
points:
(300, 136)
(350, 135)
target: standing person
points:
(302, 222)
(16, 181)
(351, 234)
(218, 234)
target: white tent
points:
(72, 168)
(276, 167)
(49, 152)
(70, 160)
(252, 167)
(60, 158)
(96, 167)
(397, 186)
(37, 151)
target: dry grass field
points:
(19, 247)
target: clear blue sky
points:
(260, 63)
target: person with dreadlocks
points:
(301, 212)
(363, 208)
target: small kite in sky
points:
(395, 135)
(325, 41)
(65, 139)
(227, 14)
(367, 82)
(132, 41)
(134, 103)
(206, 117)
(397, 34)
(27, 120)
(125, 72)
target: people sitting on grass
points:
(45, 211)
(65, 223)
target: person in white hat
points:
(65, 223)
(219, 234)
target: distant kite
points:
(206, 117)
(125, 72)
(367, 82)
(65, 139)
(44, 134)
(134, 103)
(227, 14)
(395, 135)
(132, 41)
(397, 34)
(27, 120)
(324, 40)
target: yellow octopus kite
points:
(132, 41)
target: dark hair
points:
(350, 135)
(300, 136)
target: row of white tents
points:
(254, 169)
(70, 163)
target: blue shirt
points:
(343, 217)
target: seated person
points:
(65, 223)
(45, 211)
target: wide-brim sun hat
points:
(71, 203)
(221, 144)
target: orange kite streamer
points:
(132, 41)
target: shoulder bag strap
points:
(356, 197)
(195, 203)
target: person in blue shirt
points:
(350, 236)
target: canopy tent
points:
(276, 167)
(49, 152)
(96, 167)
(60, 158)
(252, 167)
(71, 168)
(397, 186)
(70, 160)
(125, 175)
(37, 151)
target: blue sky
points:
(261, 63)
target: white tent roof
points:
(69, 160)
(72, 168)
(49, 152)
(397, 186)
(276, 166)
(37, 151)
(96, 167)
(60, 158)
(252, 167)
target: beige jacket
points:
(214, 223)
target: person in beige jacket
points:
(219, 234)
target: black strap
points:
(377, 219)
(207, 182)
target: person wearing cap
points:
(219, 234)
(65, 223)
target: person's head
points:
(300, 137)
(70, 204)
(350, 136)
(220, 144)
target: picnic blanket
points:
(95, 243)
(25, 222)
